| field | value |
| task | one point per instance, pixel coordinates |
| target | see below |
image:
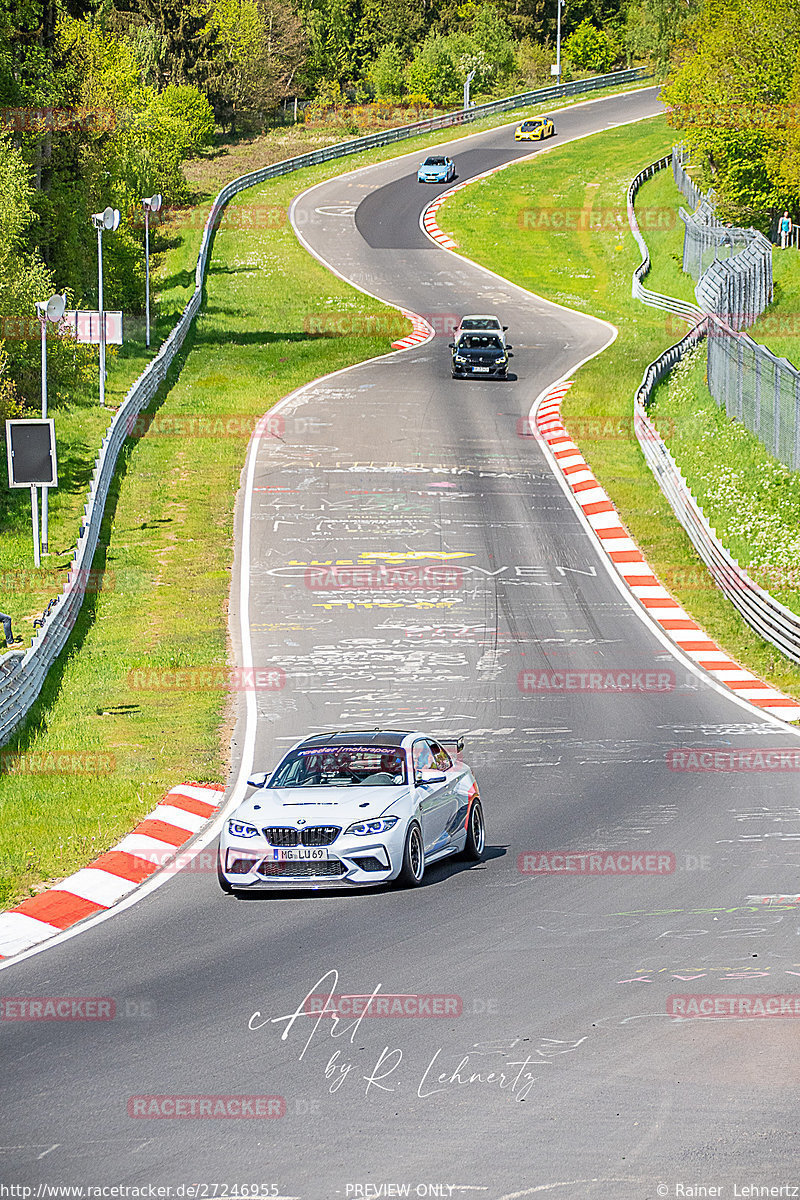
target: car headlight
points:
(242, 829)
(366, 828)
(460, 358)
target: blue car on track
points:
(436, 168)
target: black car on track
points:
(480, 353)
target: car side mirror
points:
(509, 346)
(425, 778)
(260, 779)
(451, 345)
(505, 327)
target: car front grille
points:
(315, 835)
(327, 869)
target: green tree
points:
(656, 29)
(433, 72)
(387, 73)
(185, 37)
(24, 279)
(731, 97)
(260, 48)
(590, 48)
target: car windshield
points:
(434, 162)
(482, 342)
(341, 766)
(479, 323)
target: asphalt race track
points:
(558, 1069)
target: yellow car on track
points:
(534, 130)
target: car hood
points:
(326, 806)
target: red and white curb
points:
(637, 573)
(422, 332)
(428, 220)
(155, 840)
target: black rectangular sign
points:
(31, 451)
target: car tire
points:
(413, 869)
(476, 834)
(223, 882)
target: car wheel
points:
(476, 834)
(413, 868)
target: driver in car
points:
(392, 764)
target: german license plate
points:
(481, 369)
(300, 854)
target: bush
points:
(591, 48)
(533, 65)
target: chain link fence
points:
(733, 269)
(758, 388)
(731, 266)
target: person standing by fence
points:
(785, 228)
(6, 622)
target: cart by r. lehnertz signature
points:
(440, 1072)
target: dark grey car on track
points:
(480, 354)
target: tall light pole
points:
(151, 204)
(108, 219)
(48, 310)
(559, 5)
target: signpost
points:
(151, 204)
(107, 219)
(31, 454)
(48, 310)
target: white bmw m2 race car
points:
(355, 810)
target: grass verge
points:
(589, 269)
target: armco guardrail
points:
(22, 674)
(762, 612)
(689, 312)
